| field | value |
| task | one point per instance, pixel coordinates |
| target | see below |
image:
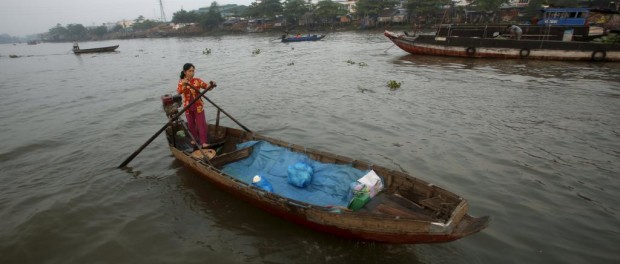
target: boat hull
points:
(358, 225)
(96, 50)
(507, 49)
(305, 38)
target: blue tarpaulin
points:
(330, 185)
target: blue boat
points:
(565, 16)
(299, 38)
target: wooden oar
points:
(219, 108)
(135, 153)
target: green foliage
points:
(294, 10)
(372, 8)
(610, 39)
(71, 32)
(207, 51)
(350, 61)
(393, 85)
(267, 8)
(185, 17)
(256, 51)
(77, 31)
(533, 9)
(328, 10)
(488, 5)
(271, 8)
(6, 38)
(213, 17)
(58, 33)
(140, 19)
(117, 28)
(99, 31)
(425, 7)
(252, 11)
(564, 3)
(142, 24)
(209, 20)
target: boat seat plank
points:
(396, 205)
(221, 160)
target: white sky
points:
(26, 17)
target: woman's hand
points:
(212, 85)
(185, 85)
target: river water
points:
(535, 145)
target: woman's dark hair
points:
(186, 67)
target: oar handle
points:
(219, 108)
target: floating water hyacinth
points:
(207, 51)
(394, 84)
(256, 51)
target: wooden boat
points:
(487, 46)
(95, 50)
(407, 210)
(302, 38)
(561, 34)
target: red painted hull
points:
(506, 49)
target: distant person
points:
(195, 115)
(515, 32)
(75, 46)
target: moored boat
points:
(77, 50)
(561, 34)
(491, 47)
(299, 38)
(395, 208)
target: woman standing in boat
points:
(195, 115)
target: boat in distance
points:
(95, 50)
(403, 209)
(300, 38)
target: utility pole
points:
(162, 14)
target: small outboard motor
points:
(171, 104)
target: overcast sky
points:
(26, 17)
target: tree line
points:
(291, 13)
